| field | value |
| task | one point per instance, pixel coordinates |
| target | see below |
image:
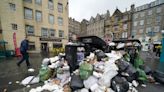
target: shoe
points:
(18, 65)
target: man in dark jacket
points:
(23, 49)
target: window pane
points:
(12, 7)
(32, 46)
(28, 13)
(149, 21)
(52, 32)
(39, 2)
(142, 22)
(148, 29)
(135, 23)
(50, 5)
(125, 26)
(156, 28)
(60, 7)
(158, 18)
(51, 19)
(29, 1)
(158, 9)
(141, 31)
(14, 26)
(61, 33)
(142, 14)
(38, 16)
(44, 32)
(29, 29)
(60, 21)
(150, 12)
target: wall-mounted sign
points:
(51, 39)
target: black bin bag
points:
(119, 84)
(76, 82)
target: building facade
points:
(96, 26)
(74, 27)
(118, 25)
(84, 23)
(44, 22)
(148, 21)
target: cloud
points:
(84, 9)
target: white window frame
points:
(28, 15)
(61, 33)
(158, 10)
(141, 22)
(157, 29)
(60, 21)
(150, 12)
(38, 17)
(51, 19)
(12, 7)
(135, 23)
(60, 7)
(38, 2)
(44, 32)
(29, 29)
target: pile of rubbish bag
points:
(117, 71)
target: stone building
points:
(45, 22)
(148, 21)
(74, 27)
(84, 23)
(118, 25)
(96, 25)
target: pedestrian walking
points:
(150, 50)
(24, 51)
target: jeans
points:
(25, 56)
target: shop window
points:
(57, 45)
(32, 46)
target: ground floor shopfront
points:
(39, 44)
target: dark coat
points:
(24, 46)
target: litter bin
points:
(71, 55)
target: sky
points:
(84, 9)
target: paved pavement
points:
(9, 72)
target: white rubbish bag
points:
(105, 80)
(30, 80)
(90, 81)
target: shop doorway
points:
(44, 47)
